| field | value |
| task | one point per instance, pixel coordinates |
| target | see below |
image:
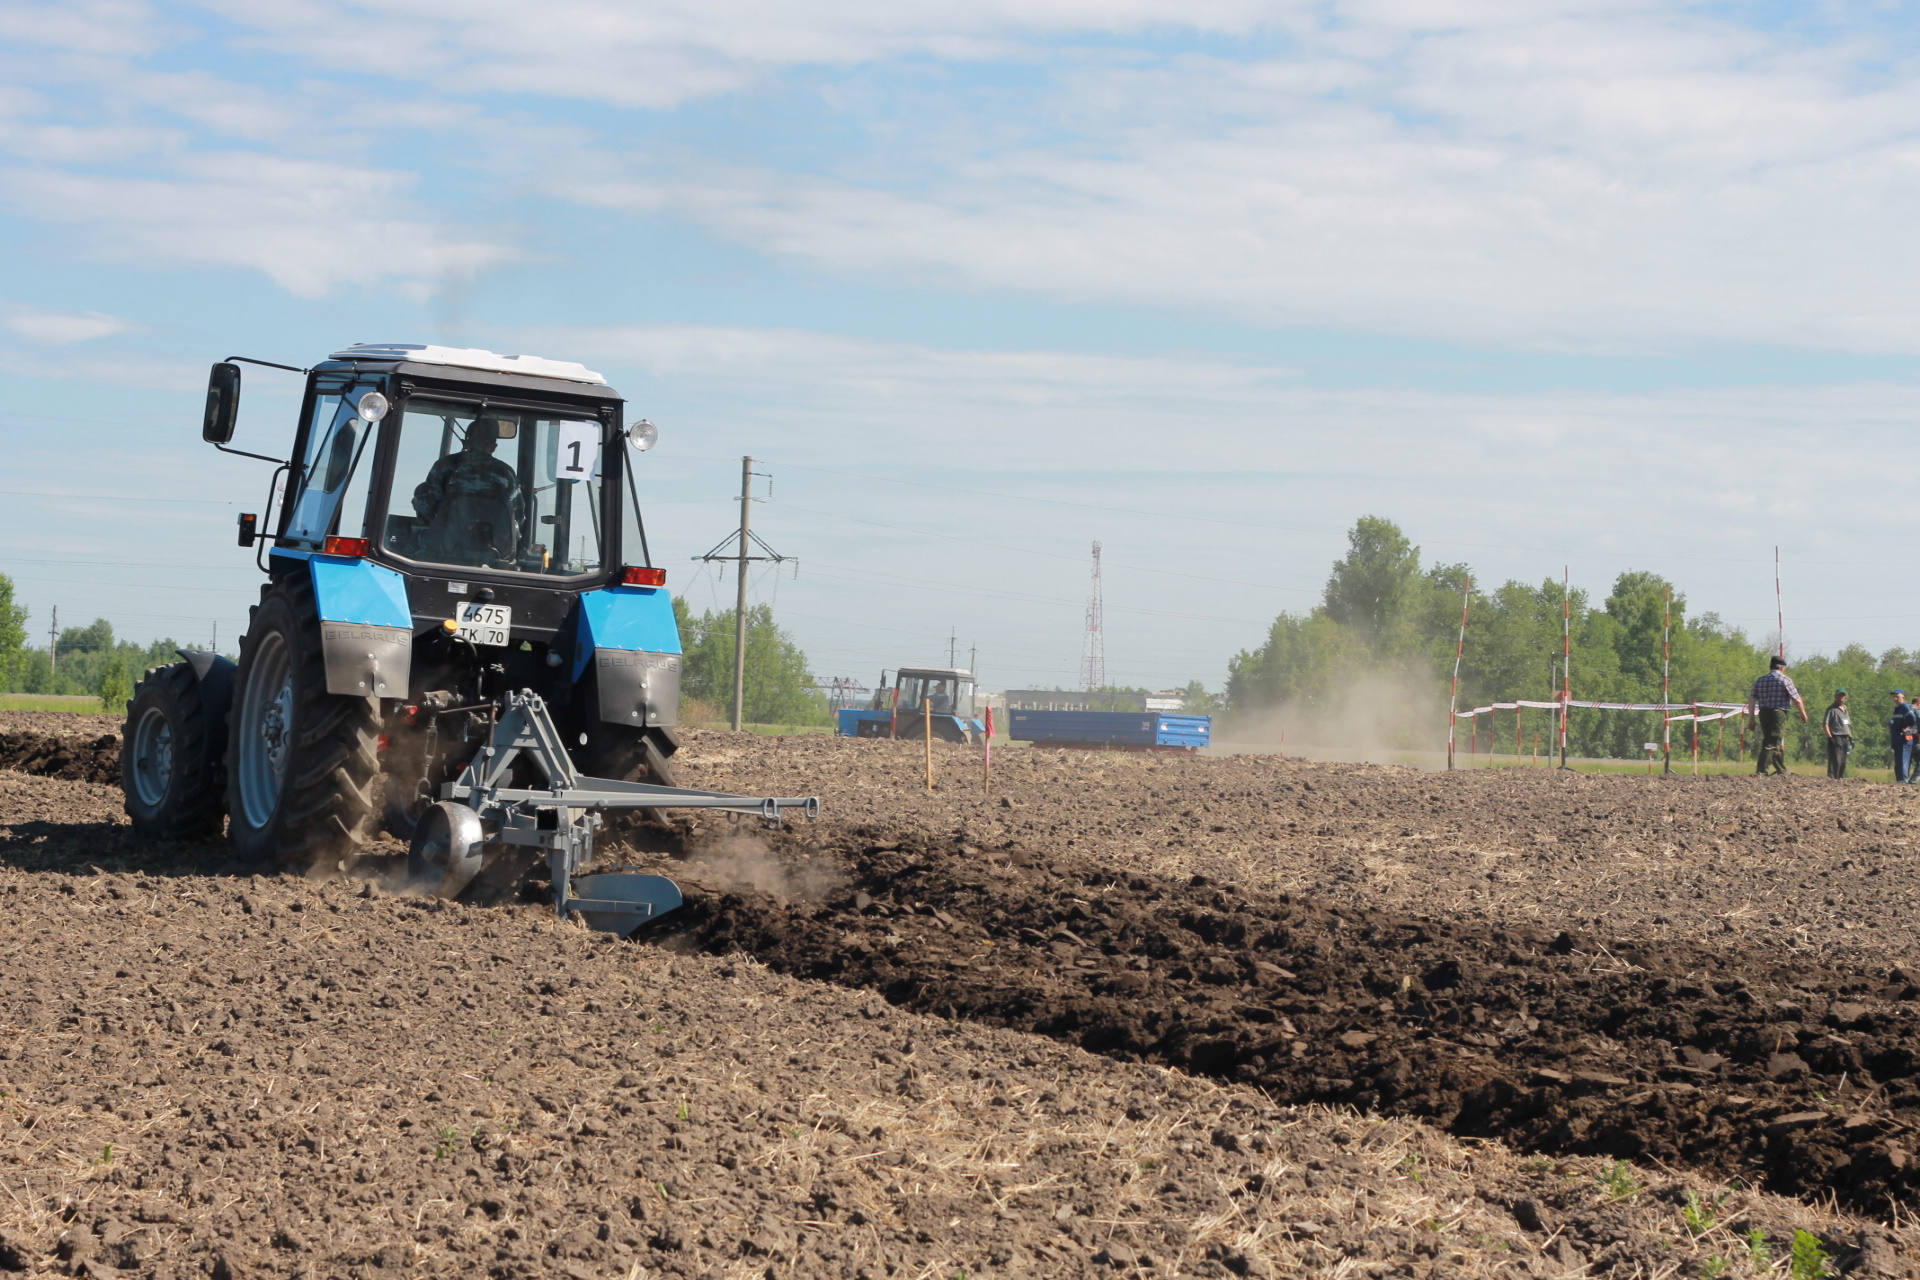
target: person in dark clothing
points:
(471, 502)
(1839, 730)
(1772, 694)
(1901, 727)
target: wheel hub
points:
(265, 729)
(152, 757)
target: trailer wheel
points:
(166, 765)
(301, 762)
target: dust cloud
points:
(742, 861)
(1376, 718)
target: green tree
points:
(95, 637)
(779, 686)
(114, 690)
(13, 636)
(1372, 589)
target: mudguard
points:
(630, 636)
(366, 626)
(215, 677)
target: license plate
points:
(485, 623)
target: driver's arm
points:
(431, 492)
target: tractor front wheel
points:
(166, 765)
(301, 762)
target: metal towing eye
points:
(561, 818)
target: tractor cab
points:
(921, 697)
(938, 691)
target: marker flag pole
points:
(1453, 699)
(1566, 656)
(1779, 611)
(1666, 682)
(989, 740)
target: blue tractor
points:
(922, 699)
(461, 637)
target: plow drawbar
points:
(482, 811)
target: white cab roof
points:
(471, 358)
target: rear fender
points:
(366, 626)
(630, 636)
(214, 674)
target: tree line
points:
(1384, 618)
(88, 661)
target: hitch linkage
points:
(562, 817)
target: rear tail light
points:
(338, 546)
(635, 577)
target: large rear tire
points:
(167, 769)
(301, 762)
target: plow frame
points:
(562, 817)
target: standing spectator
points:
(1904, 723)
(1839, 727)
(1772, 694)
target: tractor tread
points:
(326, 805)
(192, 807)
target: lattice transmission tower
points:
(1093, 659)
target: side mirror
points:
(223, 404)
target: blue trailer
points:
(1111, 730)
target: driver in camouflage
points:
(471, 502)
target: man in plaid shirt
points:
(1772, 694)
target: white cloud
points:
(667, 52)
(1578, 174)
(60, 328)
(309, 225)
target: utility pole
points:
(973, 658)
(53, 639)
(740, 600)
(953, 649)
(747, 540)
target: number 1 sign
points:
(579, 454)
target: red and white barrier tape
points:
(1727, 708)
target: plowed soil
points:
(1125, 1016)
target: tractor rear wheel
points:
(301, 762)
(166, 764)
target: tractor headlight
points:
(372, 407)
(643, 434)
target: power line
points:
(1030, 551)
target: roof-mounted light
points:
(372, 407)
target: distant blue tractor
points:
(461, 637)
(940, 698)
